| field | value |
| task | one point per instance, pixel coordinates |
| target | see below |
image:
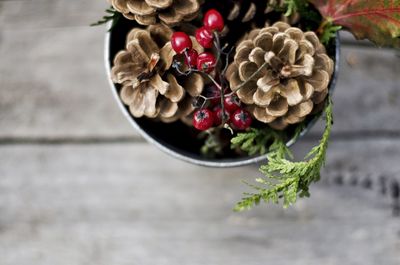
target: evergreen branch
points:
(290, 179)
(113, 15)
(254, 141)
(291, 7)
(212, 144)
(310, 18)
(327, 32)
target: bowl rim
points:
(216, 163)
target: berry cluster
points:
(182, 44)
(222, 110)
(216, 114)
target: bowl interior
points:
(176, 138)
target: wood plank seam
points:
(339, 136)
(387, 187)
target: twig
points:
(236, 89)
(176, 66)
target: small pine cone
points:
(244, 11)
(243, 15)
(149, 85)
(255, 10)
(150, 12)
(285, 73)
(273, 4)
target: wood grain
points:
(54, 84)
(77, 186)
(131, 204)
(48, 73)
(40, 14)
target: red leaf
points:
(376, 20)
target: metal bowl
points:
(172, 138)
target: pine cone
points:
(294, 81)
(259, 11)
(244, 11)
(149, 85)
(273, 4)
(150, 12)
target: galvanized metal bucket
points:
(167, 137)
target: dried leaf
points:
(378, 21)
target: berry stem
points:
(191, 70)
(236, 89)
(217, 44)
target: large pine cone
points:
(293, 78)
(149, 85)
(150, 12)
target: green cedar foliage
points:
(111, 15)
(285, 179)
(255, 141)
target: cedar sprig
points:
(285, 179)
(254, 141)
(291, 7)
(212, 143)
(111, 15)
(328, 32)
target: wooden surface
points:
(79, 186)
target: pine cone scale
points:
(126, 65)
(149, 12)
(175, 92)
(288, 51)
(295, 79)
(143, 20)
(139, 7)
(319, 80)
(278, 106)
(158, 84)
(193, 85)
(149, 85)
(167, 109)
(264, 41)
(256, 56)
(267, 82)
(246, 93)
(247, 69)
(292, 93)
(144, 101)
(262, 98)
(161, 4)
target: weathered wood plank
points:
(367, 96)
(348, 39)
(39, 14)
(118, 204)
(60, 87)
(53, 83)
(66, 13)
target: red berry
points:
(213, 20)
(180, 42)
(203, 119)
(219, 116)
(214, 93)
(241, 119)
(204, 37)
(191, 58)
(232, 103)
(206, 62)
